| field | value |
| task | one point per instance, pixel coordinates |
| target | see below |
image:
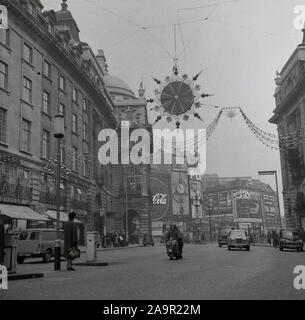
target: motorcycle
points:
(172, 249)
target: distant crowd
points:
(113, 239)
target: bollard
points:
(91, 246)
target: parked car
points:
(148, 240)
(37, 243)
(223, 234)
(290, 239)
(238, 239)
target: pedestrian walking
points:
(71, 240)
(116, 240)
(269, 238)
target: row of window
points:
(27, 83)
(25, 141)
(61, 111)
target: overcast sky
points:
(240, 46)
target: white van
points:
(37, 243)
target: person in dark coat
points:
(175, 234)
(2, 232)
(70, 238)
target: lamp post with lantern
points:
(210, 221)
(59, 133)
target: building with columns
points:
(289, 116)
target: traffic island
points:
(12, 277)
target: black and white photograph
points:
(152, 152)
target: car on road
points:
(238, 239)
(223, 234)
(34, 243)
(290, 239)
(148, 240)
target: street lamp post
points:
(59, 133)
(197, 202)
(210, 221)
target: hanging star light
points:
(178, 97)
(231, 114)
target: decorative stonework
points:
(291, 82)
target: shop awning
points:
(63, 216)
(21, 213)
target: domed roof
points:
(117, 86)
(64, 15)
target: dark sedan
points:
(238, 239)
(290, 239)
(223, 234)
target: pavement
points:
(205, 272)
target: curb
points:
(107, 249)
(91, 264)
(25, 276)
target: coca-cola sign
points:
(160, 198)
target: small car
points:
(290, 239)
(223, 234)
(148, 240)
(34, 243)
(238, 239)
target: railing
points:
(14, 192)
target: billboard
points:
(246, 206)
(224, 202)
(180, 193)
(270, 205)
(160, 203)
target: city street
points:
(206, 272)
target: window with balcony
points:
(3, 75)
(3, 125)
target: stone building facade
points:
(239, 202)
(47, 70)
(289, 116)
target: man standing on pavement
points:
(70, 238)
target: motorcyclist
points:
(175, 234)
